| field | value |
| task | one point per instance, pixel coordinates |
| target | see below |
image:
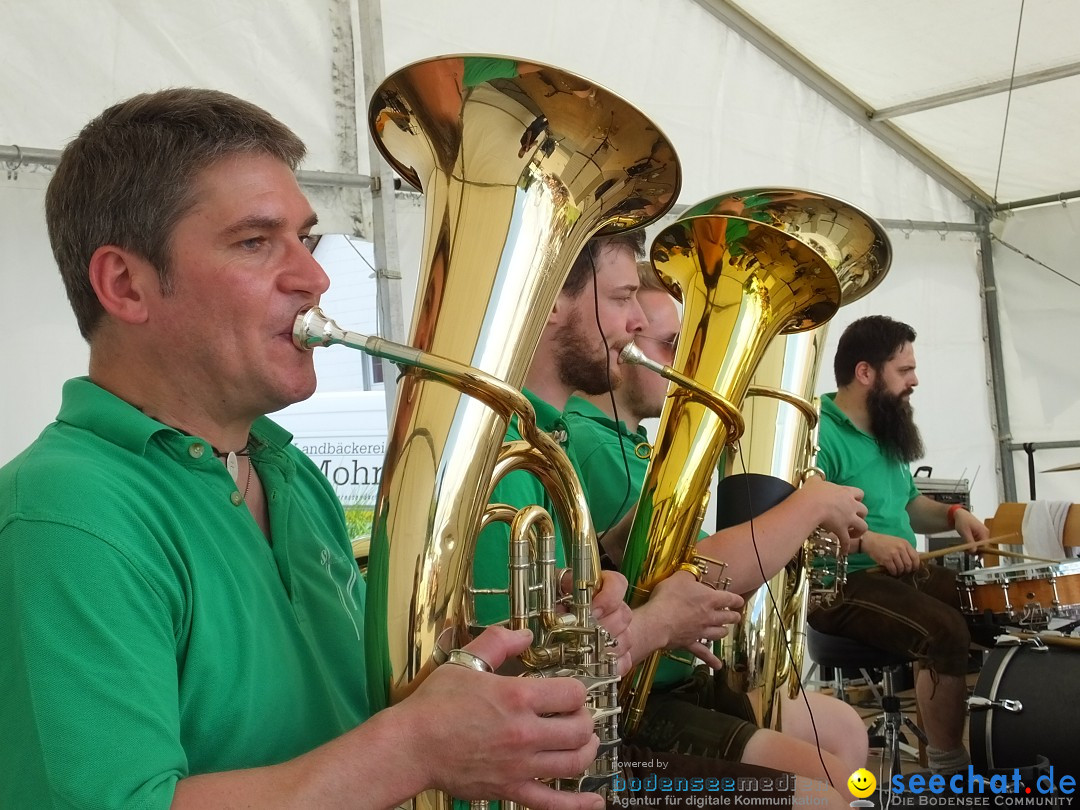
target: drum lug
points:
(1034, 642)
(981, 704)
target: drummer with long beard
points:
(868, 437)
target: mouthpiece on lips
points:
(312, 328)
(632, 355)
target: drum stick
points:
(1018, 556)
(941, 552)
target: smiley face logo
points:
(861, 783)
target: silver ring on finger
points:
(464, 658)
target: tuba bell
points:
(741, 283)
(520, 165)
(780, 411)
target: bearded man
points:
(867, 439)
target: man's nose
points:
(305, 273)
(637, 320)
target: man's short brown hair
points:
(585, 263)
(129, 177)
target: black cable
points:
(1008, 99)
(779, 617)
(627, 497)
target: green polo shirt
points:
(610, 460)
(604, 453)
(491, 563)
(148, 630)
(853, 458)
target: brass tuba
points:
(741, 282)
(520, 165)
(780, 411)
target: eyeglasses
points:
(671, 343)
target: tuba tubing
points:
(571, 640)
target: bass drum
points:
(1044, 682)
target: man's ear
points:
(864, 373)
(561, 310)
(121, 281)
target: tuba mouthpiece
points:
(312, 328)
(632, 355)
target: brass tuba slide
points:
(520, 165)
(741, 282)
(767, 647)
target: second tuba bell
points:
(766, 648)
(741, 282)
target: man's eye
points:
(252, 244)
(310, 241)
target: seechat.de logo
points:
(861, 784)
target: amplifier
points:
(943, 490)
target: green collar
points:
(88, 406)
(584, 408)
(830, 409)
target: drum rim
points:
(999, 573)
(984, 741)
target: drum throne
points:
(887, 730)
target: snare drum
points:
(1042, 718)
(1029, 593)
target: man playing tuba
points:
(182, 619)
(602, 287)
(604, 450)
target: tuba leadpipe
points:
(741, 283)
(520, 165)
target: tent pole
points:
(992, 327)
(383, 203)
(15, 157)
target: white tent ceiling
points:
(752, 93)
(941, 73)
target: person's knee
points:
(953, 631)
(854, 742)
(949, 644)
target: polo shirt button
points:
(196, 450)
(236, 499)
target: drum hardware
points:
(1038, 643)
(1028, 594)
(981, 704)
(1035, 678)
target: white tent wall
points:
(1039, 337)
(96, 54)
(42, 347)
(736, 118)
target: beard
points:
(892, 422)
(641, 400)
(582, 360)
